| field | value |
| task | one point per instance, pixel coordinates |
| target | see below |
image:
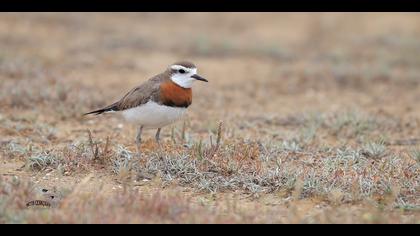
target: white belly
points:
(152, 115)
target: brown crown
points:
(186, 64)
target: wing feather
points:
(149, 90)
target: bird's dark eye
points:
(182, 71)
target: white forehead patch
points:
(178, 67)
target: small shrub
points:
(374, 150)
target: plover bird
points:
(160, 101)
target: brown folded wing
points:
(150, 90)
(140, 95)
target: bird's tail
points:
(109, 108)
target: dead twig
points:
(93, 146)
(219, 135)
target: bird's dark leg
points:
(158, 136)
(138, 138)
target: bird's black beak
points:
(197, 77)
